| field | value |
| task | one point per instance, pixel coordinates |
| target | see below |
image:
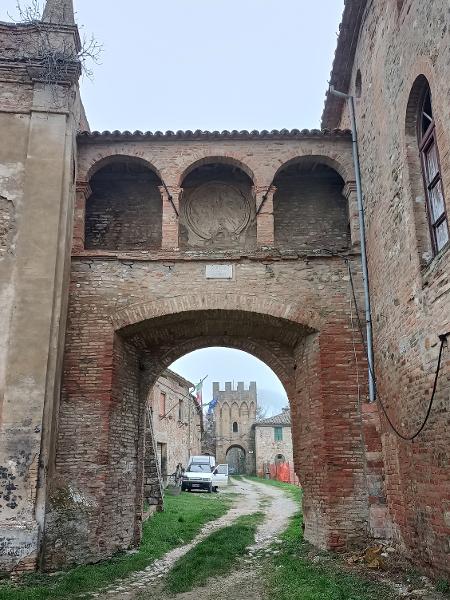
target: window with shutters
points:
(278, 434)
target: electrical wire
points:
(443, 339)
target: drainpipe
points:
(362, 227)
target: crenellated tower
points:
(235, 414)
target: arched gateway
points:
(131, 316)
(262, 272)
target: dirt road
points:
(244, 581)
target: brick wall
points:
(410, 289)
(263, 311)
(310, 210)
(124, 211)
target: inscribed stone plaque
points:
(219, 272)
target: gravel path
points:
(244, 583)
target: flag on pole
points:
(212, 405)
(198, 391)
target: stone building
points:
(394, 57)
(102, 234)
(234, 416)
(177, 421)
(273, 441)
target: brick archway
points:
(106, 386)
(296, 313)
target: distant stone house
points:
(177, 421)
(273, 442)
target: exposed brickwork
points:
(309, 209)
(124, 211)
(140, 304)
(410, 294)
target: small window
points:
(180, 410)
(235, 427)
(278, 434)
(358, 84)
(279, 458)
(162, 404)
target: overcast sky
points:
(209, 64)
(227, 364)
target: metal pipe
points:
(362, 227)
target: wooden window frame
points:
(426, 141)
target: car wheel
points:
(210, 488)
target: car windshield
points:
(197, 468)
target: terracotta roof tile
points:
(210, 135)
(283, 419)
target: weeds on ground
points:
(213, 556)
(182, 519)
(293, 575)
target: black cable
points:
(443, 338)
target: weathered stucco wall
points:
(37, 163)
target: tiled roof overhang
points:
(343, 59)
(88, 136)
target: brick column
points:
(264, 216)
(83, 192)
(349, 192)
(170, 218)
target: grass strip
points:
(182, 519)
(294, 576)
(214, 555)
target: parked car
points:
(198, 476)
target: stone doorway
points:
(236, 460)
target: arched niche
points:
(310, 211)
(217, 208)
(124, 211)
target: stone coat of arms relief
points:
(217, 214)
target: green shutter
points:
(278, 434)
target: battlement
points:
(229, 387)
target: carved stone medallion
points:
(217, 209)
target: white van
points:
(202, 474)
(203, 460)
